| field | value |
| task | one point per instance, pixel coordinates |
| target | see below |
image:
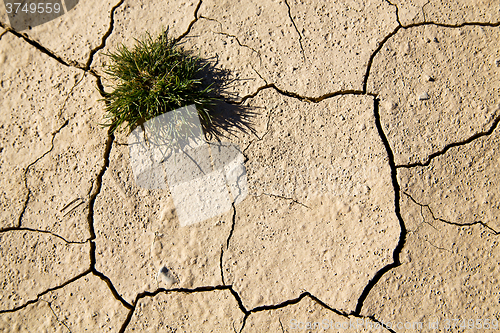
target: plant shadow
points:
(228, 117)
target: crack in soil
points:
(25, 175)
(188, 30)
(220, 32)
(296, 29)
(402, 237)
(315, 300)
(423, 10)
(105, 36)
(397, 11)
(110, 284)
(88, 271)
(232, 229)
(26, 201)
(233, 223)
(240, 44)
(461, 25)
(284, 198)
(42, 231)
(41, 48)
(372, 56)
(298, 96)
(449, 222)
(443, 151)
(184, 291)
(98, 184)
(220, 262)
(57, 318)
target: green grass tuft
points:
(154, 77)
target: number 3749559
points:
(32, 8)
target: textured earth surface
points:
(371, 155)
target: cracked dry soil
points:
(372, 165)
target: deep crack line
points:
(380, 323)
(374, 54)
(452, 145)
(42, 48)
(340, 313)
(316, 300)
(111, 286)
(298, 96)
(104, 37)
(98, 185)
(221, 261)
(43, 232)
(88, 271)
(286, 303)
(90, 219)
(402, 237)
(184, 291)
(397, 11)
(190, 26)
(69, 63)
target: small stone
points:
(389, 105)
(166, 276)
(428, 78)
(497, 62)
(424, 96)
(404, 48)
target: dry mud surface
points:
(372, 168)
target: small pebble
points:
(389, 105)
(497, 62)
(424, 97)
(428, 78)
(404, 48)
(166, 276)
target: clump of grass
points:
(154, 77)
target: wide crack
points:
(402, 237)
